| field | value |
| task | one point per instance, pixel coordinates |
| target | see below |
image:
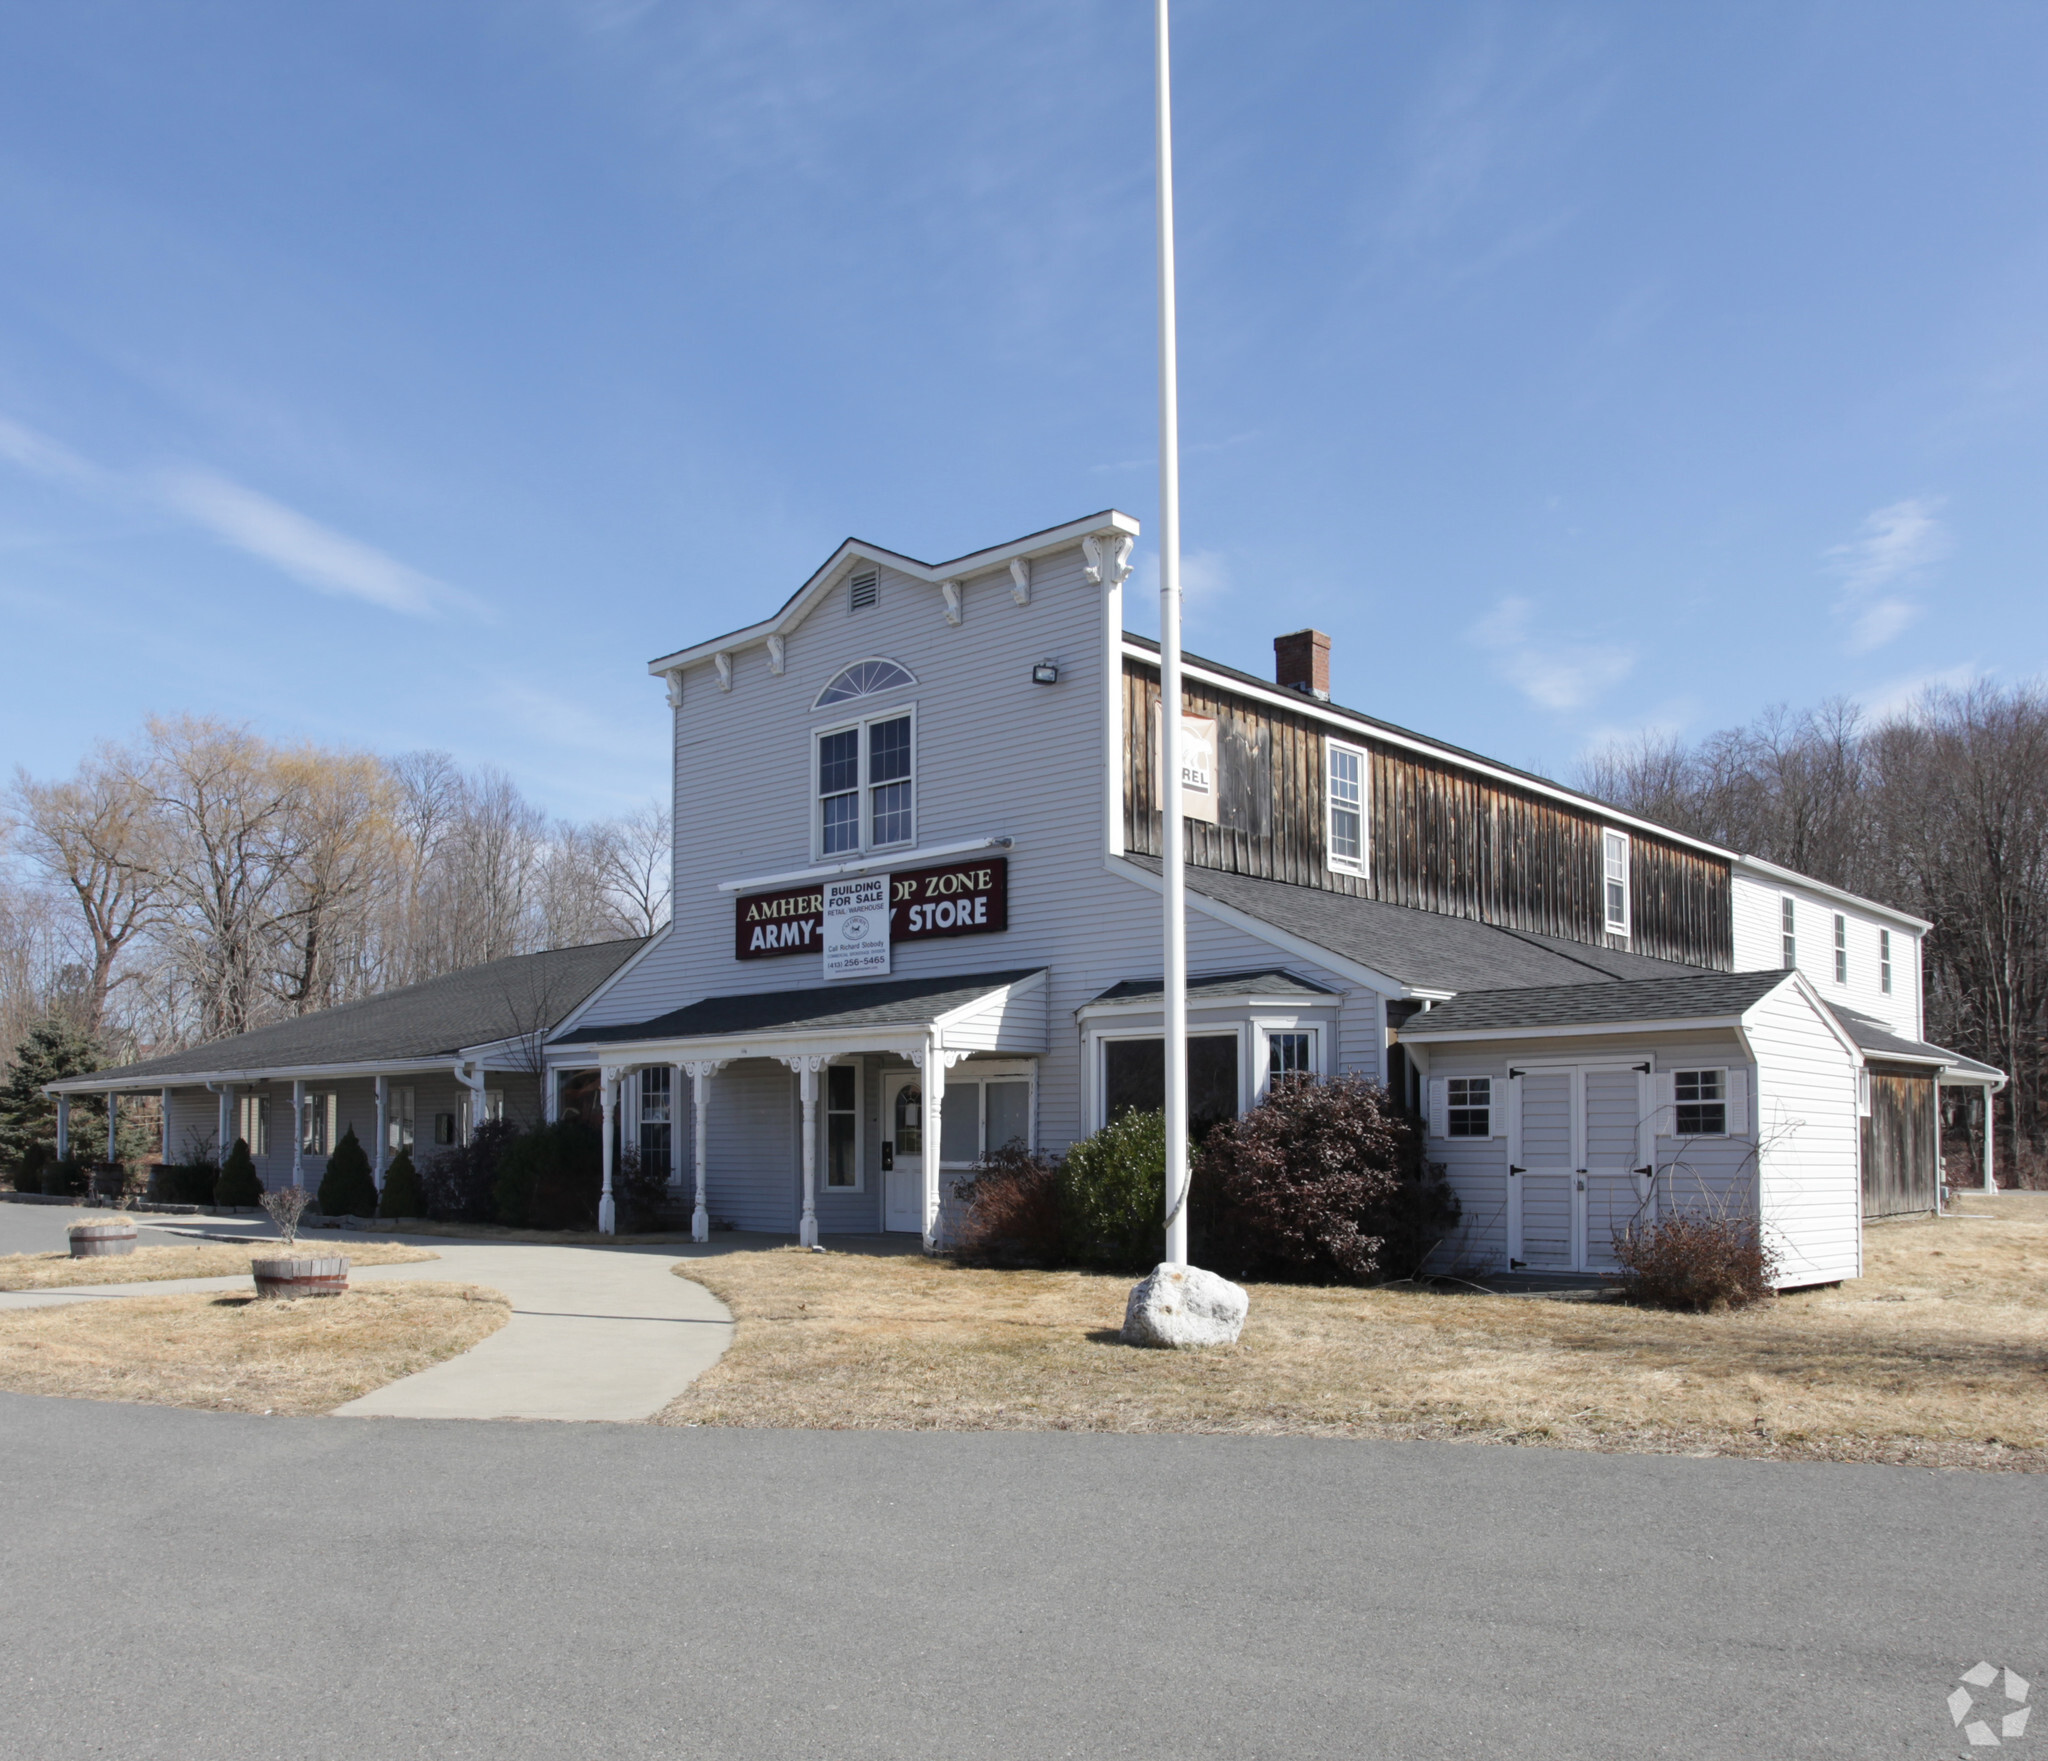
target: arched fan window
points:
(865, 678)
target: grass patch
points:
(202, 1259)
(233, 1353)
(1935, 1356)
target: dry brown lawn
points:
(1936, 1356)
(203, 1259)
(235, 1353)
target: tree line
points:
(1940, 809)
(200, 880)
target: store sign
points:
(856, 927)
(924, 904)
(1197, 764)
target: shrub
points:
(639, 1191)
(551, 1178)
(458, 1184)
(1012, 1211)
(185, 1183)
(285, 1206)
(238, 1187)
(401, 1197)
(347, 1189)
(1704, 1260)
(1322, 1183)
(68, 1178)
(1112, 1195)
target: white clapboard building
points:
(917, 915)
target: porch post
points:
(807, 1068)
(113, 1125)
(608, 1089)
(1990, 1138)
(383, 1086)
(701, 1073)
(298, 1131)
(675, 1125)
(932, 1062)
(225, 1123)
(63, 1128)
(163, 1107)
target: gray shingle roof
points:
(525, 994)
(886, 1002)
(1700, 996)
(1423, 948)
(1876, 1038)
(1269, 981)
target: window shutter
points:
(1737, 1088)
(1439, 1089)
(1667, 1104)
(1499, 1091)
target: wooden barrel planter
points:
(90, 1240)
(301, 1275)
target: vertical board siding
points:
(1901, 1143)
(1442, 839)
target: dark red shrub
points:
(1324, 1183)
(1012, 1214)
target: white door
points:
(1611, 1152)
(1543, 1164)
(903, 1153)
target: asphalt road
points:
(189, 1584)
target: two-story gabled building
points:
(917, 915)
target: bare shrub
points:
(285, 1206)
(1705, 1260)
(1012, 1210)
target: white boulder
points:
(1182, 1306)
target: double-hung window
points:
(1614, 876)
(1345, 795)
(316, 1125)
(1788, 929)
(1468, 1106)
(867, 786)
(842, 1126)
(1884, 961)
(1702, 1102)
(657, 1128)
(398, 1119)
(252, 1124)
(1841, 949)
(1290, 1055)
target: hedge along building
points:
(412, 1069)
(917, 916)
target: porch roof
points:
(896, 1003)
(1706, 996)
(1877, 1040)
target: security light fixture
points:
(1045, 673)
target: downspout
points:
(474, 1082)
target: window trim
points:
(1841, 948)
(641, 1121)
(1788, 930)
(827, 1113)
(863, 789)
(973, 1074)
(1098, 1059)
(1487, 1108)
(1610, 840)
(1884, 961)
(1726, 1073)
(1264, 1027)
(1347, 864)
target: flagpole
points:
(1172, 825)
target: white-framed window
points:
(1884, 961)
(316, 1125)
(979, 1114)
(1614, 880)
(444, 1128)
(842, 1127)
(1129, 1068)
(1700, 1103)
(864, 678)
(1468, 1106)
(494, 1110)
(1344, 796)
(1291, 1052)
(1841, 949)
(866, 781)
(656, 1122)
(252, 1123)
(1788, 929)
(398, 1118)
(861, 591)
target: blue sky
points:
(408, 376)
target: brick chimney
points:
(1301, 662)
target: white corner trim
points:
(951, 590)
(866, 865)
(1020, 579)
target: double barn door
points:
(1578, 1162)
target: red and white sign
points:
(925, 904)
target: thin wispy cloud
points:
(1558, 674)
(1899, 698)
(1894, 547)
(40, 456)
(320, 558)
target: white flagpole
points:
(1173, 826)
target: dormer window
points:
(861, 591)
(865, 678)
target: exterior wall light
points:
(1045, 673)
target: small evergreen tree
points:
(50, 1051)
(401, 1189)
(238, 1186)
(347, 1189)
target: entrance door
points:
(1543, 1168)
(903, 1153)
(1612, 1149)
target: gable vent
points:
(861, 591)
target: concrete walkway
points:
(596, 1333)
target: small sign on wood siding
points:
(1198, 788)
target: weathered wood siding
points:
(1901, 1143)
(1442, 839)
